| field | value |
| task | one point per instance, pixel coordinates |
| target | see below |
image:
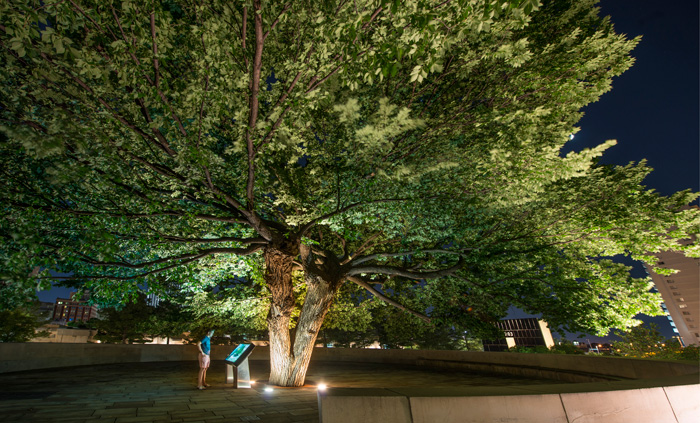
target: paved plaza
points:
(166, 392)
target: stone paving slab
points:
(166, 392)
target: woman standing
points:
(204, 360)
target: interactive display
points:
(239, 355)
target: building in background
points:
(73, 309)
(152, 300)
(46, 310)
(681, 293)
(529, 332)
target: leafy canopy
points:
(414, 146)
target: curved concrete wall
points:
(666, 404)
(29, 356)
(570, 368)
(633, 391)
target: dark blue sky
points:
(653, 108)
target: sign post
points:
(237, 368)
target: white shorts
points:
(204, 361)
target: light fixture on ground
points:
(268, 389)
(321, 386)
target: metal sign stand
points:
(237, 368)
(239, 375)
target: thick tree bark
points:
(290, 361)
(319, 298)
(278, 277)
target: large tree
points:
(22, 324)
(127, 324)
(401, 147)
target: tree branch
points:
(128, 278)
(254, 105)
(313, 222)
(156, 71)
(125, 215)
(148, 78)
(276, 21)
(243, 34)
(370, 257)
(397, 271)
(162, 145)
(199, 254)
(362, 247)
(212, 240)
(386, 299)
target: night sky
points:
(653, 108)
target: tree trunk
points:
(290, 361)
(278, 277)
(319, 298)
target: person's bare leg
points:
(200, 378)
(204, 377)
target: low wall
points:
(570, 368)
(616, 390)
(631, 390)
(29, 356)
(534, 404)
(66, 335)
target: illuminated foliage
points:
(645, 341)
(174, 146)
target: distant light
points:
(321, 386)
(268, 389)
(252, 382)
(571, 136)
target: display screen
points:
(239, 354)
